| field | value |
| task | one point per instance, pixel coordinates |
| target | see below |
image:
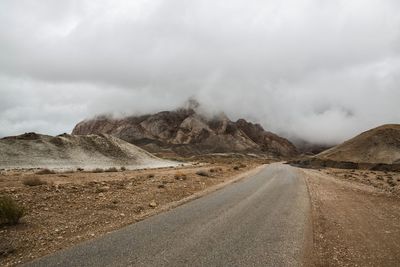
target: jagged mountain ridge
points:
(186, 132)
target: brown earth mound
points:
(377, 149)
(186, 132)
(65, 151)
(378, 145)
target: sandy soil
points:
(355, 222)
(388, 182)
(73, 207)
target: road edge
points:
(308, 238)
(199, 194)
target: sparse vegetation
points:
(123, 168)
(111, 169)
(202, 173)
(45, 171)
(180, 176)
(151, 175)
(98, 170)
(391, 182)
(10, 211)
(80, 169)
(216, 170)
(33, 181)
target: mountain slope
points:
(378, 145)
(186, 132)
(71, 151)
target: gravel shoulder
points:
(354, 223)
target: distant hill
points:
(65, 151)
(186, 132)
(378, 145)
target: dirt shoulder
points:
(355, 223)
(73, 207)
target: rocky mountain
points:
(186, 132)
(66, 151)
(378, 145)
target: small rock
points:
(102, 189)
(153, 204)
(101, 195)
(122, 215)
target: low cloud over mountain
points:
(319, 71)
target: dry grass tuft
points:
(180, 176)
(45, 171)
(203, 173)
(33, 181)
(98, 170)
(111, 169)
(10, 211)
(216, 170)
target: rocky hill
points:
(378, 145)
(65, 151)
(186, 132)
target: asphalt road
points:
(261, 220)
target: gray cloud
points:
(316, 70)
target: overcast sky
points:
(312, 69)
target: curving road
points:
(261, 220)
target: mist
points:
(320, 71)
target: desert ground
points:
(65, 208)
(355, 215)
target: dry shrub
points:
(391, 182)
(10, 211)
(151, 175)
(45, 171)
(123, 169)
(202, 173)
(111, 169)
(216, 170)
(79, 169)
(33, 181)
(6, 248)
(98, 170)
(238, 167)
(180, 176)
